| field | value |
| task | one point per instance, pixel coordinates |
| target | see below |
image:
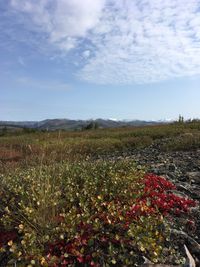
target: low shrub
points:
(87, 214)
(184, 142)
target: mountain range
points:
(69, 124)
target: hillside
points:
(67, 124)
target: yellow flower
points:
(2, 249)
(113, 261)
(10, 243)
(62, 236)
(7, 209)
(12, 248)
(19, 254)
(43, 261)
(109, 221)
(23, 242)
(21, 226)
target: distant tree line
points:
(93, 125)
(182, 120)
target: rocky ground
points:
(183, 169)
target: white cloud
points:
(86, 53)
(123, 41)
(145, 41)
(62, 20)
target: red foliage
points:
(155, 200)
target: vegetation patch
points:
(87, 214)
(63, 204)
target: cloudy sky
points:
(123, 59)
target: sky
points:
(112, 59)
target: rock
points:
(183, 179)
(172, 167)
(193, 177)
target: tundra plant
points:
(86, 214)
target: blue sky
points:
(125, 59)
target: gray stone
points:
(172, 167)
(193, 177)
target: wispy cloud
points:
(145, 41)
(120, 42)
(62, 21)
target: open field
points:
(28, 149)
(80, 199)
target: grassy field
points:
(63, 205)
(47, 147)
